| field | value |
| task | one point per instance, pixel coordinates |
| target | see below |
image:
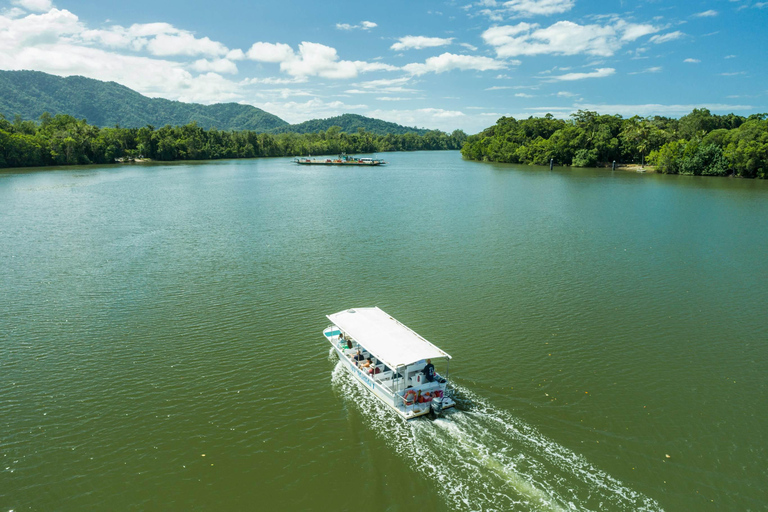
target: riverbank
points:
(64, 140)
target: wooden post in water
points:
(613, 167)
(551, 163)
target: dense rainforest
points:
(64, 140)
(699, 143)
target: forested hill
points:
(350, 123)
(30, 93)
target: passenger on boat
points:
(366, 363)
(358, 356)
(429, 371)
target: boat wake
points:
(485, 459)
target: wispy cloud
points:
(655, 69)
(294, 112)
(651, 109)
(706, 14)
(692, 61)
(363, 25)
(756, 5)
(442, 119)
(671, 36)
(569, 77)
(497, 11)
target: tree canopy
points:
(64, 140)
(698, 143)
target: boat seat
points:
(417, 379)
(415, 367)
(380, 367)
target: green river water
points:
(161, 337)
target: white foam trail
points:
(486, 459)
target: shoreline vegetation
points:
(698, 143)
(64, 140)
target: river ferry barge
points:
(390, 360)
(342, 159)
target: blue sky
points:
(433, 64)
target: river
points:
(161, 337)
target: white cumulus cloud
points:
(184, 43)
(312, 59)
(563, 38)
(420, 42)
(268, 52)
(160, 39)
(57, 42)
(450, 61)
(34, 5)
(216, 65)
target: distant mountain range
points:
(30, 93)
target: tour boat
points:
(342, 159)
(390, 360)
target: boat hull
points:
(407, 412)
(317, 162)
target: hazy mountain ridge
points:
(349, 123)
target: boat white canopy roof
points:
(388, 340)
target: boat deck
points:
(407, 391)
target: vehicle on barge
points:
(390, 360)
(342, 159)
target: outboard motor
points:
(437, 406)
